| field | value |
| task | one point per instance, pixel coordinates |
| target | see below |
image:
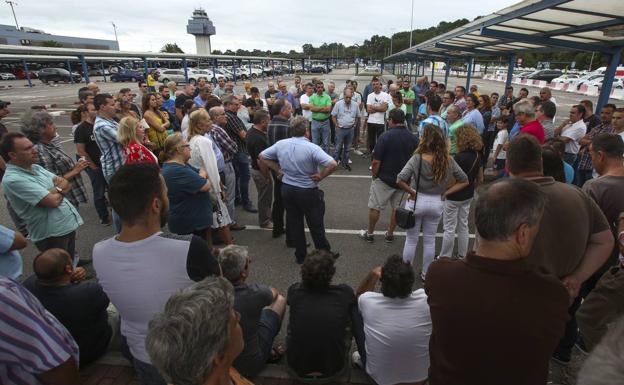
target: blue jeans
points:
(98, 183)
(241, 164)
(344, 137)
(320, 134)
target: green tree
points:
(171, 48)
(51, 43)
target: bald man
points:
(80, 306)
(93, 88)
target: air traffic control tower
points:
(202, 28)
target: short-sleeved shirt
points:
(199, 102)
(81, 308)
(10, 260)
(409, 94)
(317, 328)
(534, 128)
(233, 128)
(377, 100)
(249, 301)
(189, 208)
(451, 134)
(320, 101)
(436, 120)
(394, 329)
(474, 118)
(501, 138)
(33, 340)
(608, 192)
(393, 149)
(427, 184)
(278, 129)
(139, 277)
(305, 99)
(346, 115)
(575, 131)
(570, 218)
(470, 163)
(505, 324)
(25, 189)
(84, 135)
(105, 134)
(257, 142)
(299, 159)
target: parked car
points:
(58, 75)
(586, 79)
(546, 75)
(208, 74)
(320, 69)
(177, 76)
(98, 72)
(618, 82)
(566, 78)
(21, 74)
(7, 76)
(524, 74)
(124, 75)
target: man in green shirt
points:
(320, 105)
(408, 99)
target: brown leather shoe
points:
(236, 227)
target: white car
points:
(208, 74)
(588, 79)
(618, 83)
(7, 76)
(567, 78)
(177, 76)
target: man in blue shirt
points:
(296, 161)
(345, 116)
(10, 258)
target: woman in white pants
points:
(439, 175)
(457, 205)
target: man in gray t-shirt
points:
(261, 310)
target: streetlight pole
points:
(412, 24)
(12, 3)
(115, 29)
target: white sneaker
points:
(370, 168)
(350, 161)
(358, 152)
(357, 360)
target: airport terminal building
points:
(33, 37)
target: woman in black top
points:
(457, 205)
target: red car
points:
(21, 74)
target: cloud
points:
(278, 25)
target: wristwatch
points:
(59, 190)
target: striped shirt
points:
(32, 341)
(278, 129)
(227, 146)
(105, 133)
(233, 128)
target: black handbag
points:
(405, 218)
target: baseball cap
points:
(4, 104)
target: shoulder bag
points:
(405, 218)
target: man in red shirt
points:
(525, 115)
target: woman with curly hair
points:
(457, 205)
(428, 177)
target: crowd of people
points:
(542, 285)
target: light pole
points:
(391, 36)
(115, 29)
(12, 3)
(411, 24)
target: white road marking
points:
(350, 176)
(353, 232)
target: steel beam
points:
(607, 83)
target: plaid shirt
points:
(585, 162)
(54, 159)
(233, 127)
(278, 129)
(105, 133)
(227, 146)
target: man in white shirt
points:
(572, 132)
(396, 326)
(376, 105)
(304, 101)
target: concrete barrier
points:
(592, 91)
(541, 83)
(583, 89)
(524, 81)
(617, 94)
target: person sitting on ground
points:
(197, 337)
(391, 153)
(36, 348)
(509, 316)
(397, 326)
(320, 317)
(141, 266)
(80, 306)
(131, 136)
(261, 310)
(188, 189)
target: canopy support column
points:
(605, 91)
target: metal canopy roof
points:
(531, 25)
(27, 51)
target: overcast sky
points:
(278, 25)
